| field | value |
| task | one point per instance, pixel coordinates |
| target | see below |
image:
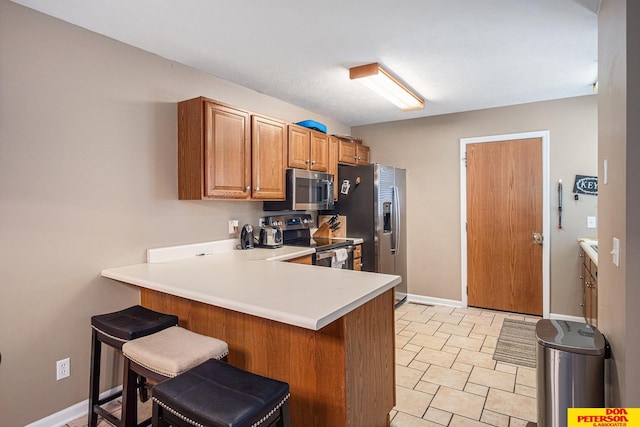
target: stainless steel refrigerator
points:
(373, 198)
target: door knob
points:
(537, 238)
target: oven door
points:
(326, 258)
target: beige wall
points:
(429, 149)
(619, 210)
(88, 181)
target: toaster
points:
(267, 236)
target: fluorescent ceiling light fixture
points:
(381, 81)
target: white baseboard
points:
(420, 299)
(69, 414)
(554, 316)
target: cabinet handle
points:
(581, 304)
(257, 189)
(313, 162)
(307, 161)
(248, 187)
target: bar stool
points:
(115, 329)
(160, 356)
(216, 394)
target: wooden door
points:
(298, 147)
(319, 151)
(504, 209)
(227, 159)
(269, 156)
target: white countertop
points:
(585, 243)
(253, 282)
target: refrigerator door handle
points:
(395, 235)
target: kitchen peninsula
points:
(328, 332)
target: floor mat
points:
(517, 343)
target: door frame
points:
(546, 209)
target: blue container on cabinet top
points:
(312, 124)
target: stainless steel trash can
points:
(570, 369)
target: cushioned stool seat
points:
(173, 351)
(115, 329)
(216, 394)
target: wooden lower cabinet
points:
(357, 258)
(340, 375)
(589, 289)
(307, 259)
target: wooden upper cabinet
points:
(308, 149)
(363, 154)
(351, 153)
(227, 153)
(299, 147)
(333, 164)
(269, 157)
(347, 152)
(319, 152)
(227, 157)
(214, 151)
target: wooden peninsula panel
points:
(340, 375)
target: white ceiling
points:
(460, 55)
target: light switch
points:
(615, 252)
(592, 222)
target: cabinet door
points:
(319, 152)
(298, 146)
(347, 153)
(227, 160)
(333, 164)
(269, 156)
(357, 258)
(307, 259)
(362, 153)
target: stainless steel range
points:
(296, 231)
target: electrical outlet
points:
(63, 368)
(592, 222)
(233, 226)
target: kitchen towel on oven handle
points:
(339, 258)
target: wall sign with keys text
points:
(586, 184)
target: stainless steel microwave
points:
(306, 191)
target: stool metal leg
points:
(94, 378)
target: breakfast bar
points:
(328, 332)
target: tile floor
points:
(445, 372)
(446, 375)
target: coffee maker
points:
(246, 237)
